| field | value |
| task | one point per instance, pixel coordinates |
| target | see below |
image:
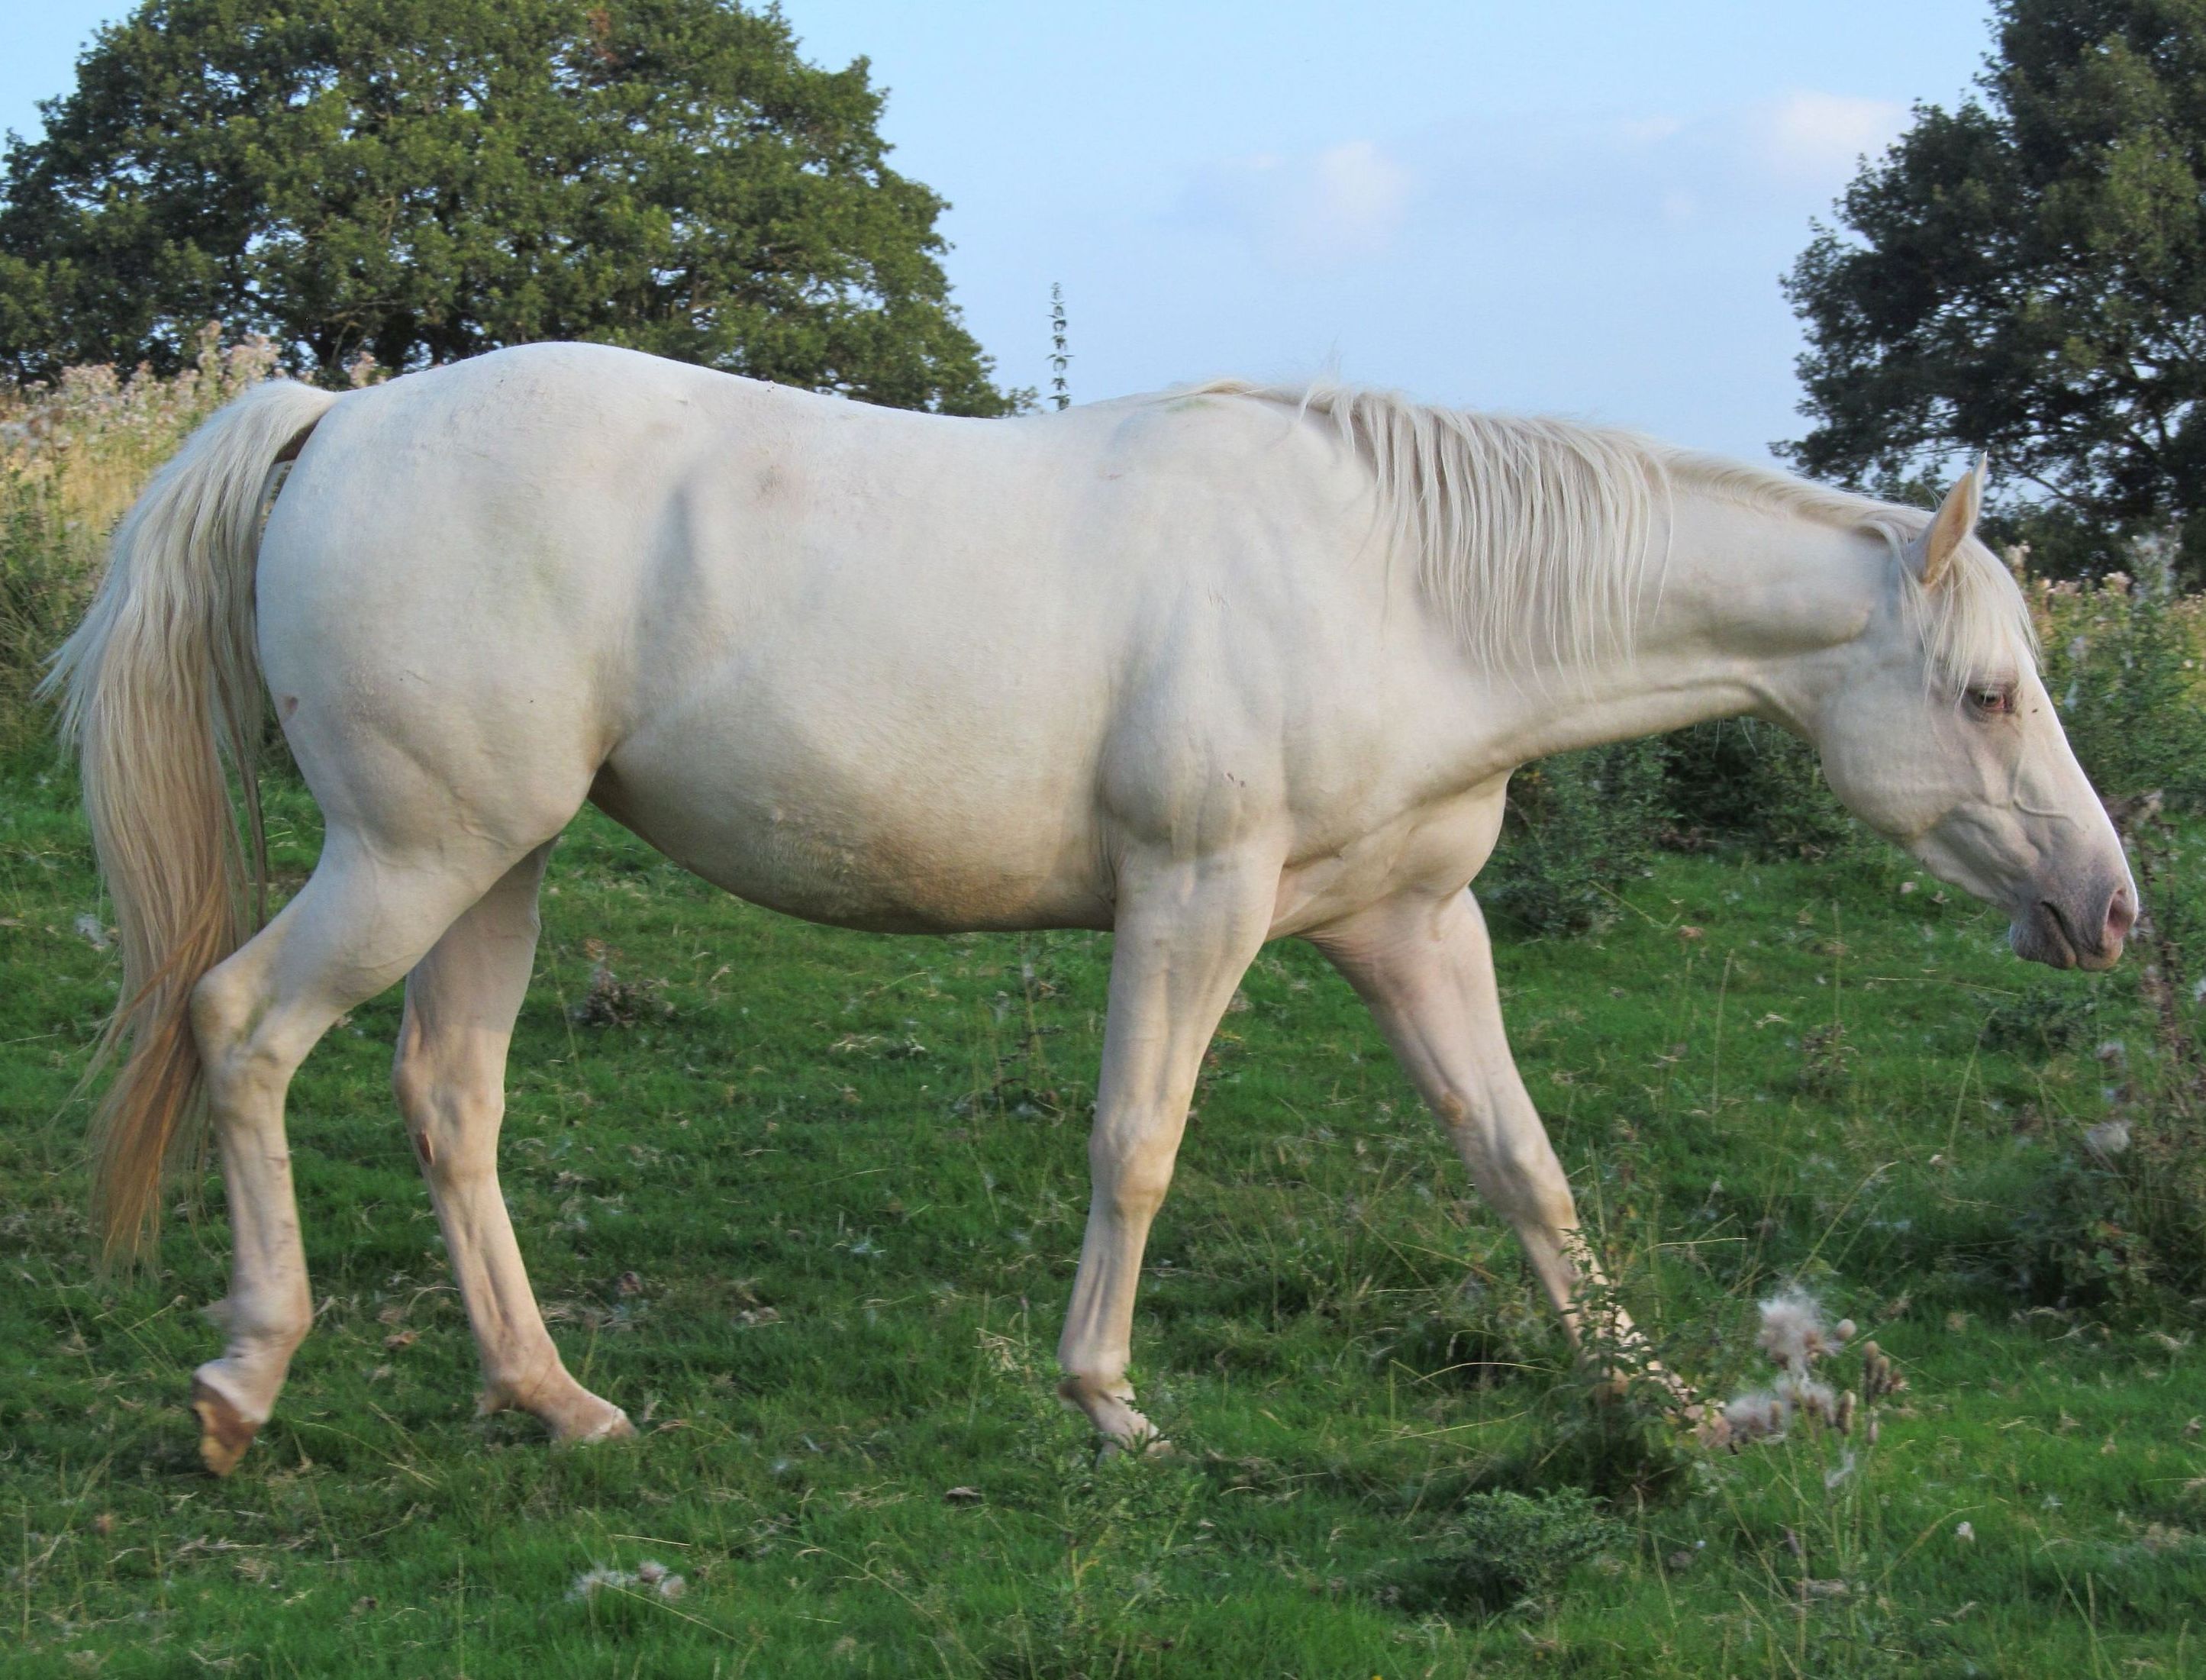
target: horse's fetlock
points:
(262, 1328)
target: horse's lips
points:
(2040, 934)
(2044, 933)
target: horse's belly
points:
(884, 874)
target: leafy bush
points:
(1579, 825)
(2121, 1220)
(1503, 1549)
(2122, 662)
(2077, 1241)
(2042, 1021)
(1738, 782)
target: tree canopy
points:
(422, 180)
(2027, 274)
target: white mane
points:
(1539, 535)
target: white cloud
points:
(1340, 204)
(1354, 202)
(1819, 137)
(1778, 158)
(1648, 131)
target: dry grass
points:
(73, 456)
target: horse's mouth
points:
(2045, 933)
(2041, 934)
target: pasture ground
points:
(807, 1202)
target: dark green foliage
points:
(2043, 1020)
(2024, 274)
(2120, 1219)
(2119, 666)
(1580, 825)
(2050, 541)
(2078, 1238)
(1740, 783)
(422, 180)
(1502, 1550)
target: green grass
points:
(813, 1217)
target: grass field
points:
(810, 1214)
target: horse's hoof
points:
(614, 1425)
(224, 1431)
(1150, 1447)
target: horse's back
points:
(870, 666)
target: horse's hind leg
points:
(451, 1079)
(363, 919)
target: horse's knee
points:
(1132, 1190)
(451, 1119)
(1518, 1173)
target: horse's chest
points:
(1431, 848)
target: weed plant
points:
(2123, 662)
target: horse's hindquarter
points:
(866, 667)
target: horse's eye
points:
(1992, 702)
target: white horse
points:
(1205, 669)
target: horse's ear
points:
(1956, 521)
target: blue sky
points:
(1576, 208)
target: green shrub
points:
(2076, 1242)
(2120, 1219)
(1739, 781)
(2044, 1020)
(1502, 1550)
(2122, 662)
(1580, 825)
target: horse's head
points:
(1940, 735)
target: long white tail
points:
(160, 685)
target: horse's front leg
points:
(1186, 931)
(1425, 967)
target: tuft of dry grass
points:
(611, 1001)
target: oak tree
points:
(2026, 273)
(422, 180)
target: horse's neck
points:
(1749, 611)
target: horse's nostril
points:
(2121, 916)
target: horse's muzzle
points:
(2075, 931)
